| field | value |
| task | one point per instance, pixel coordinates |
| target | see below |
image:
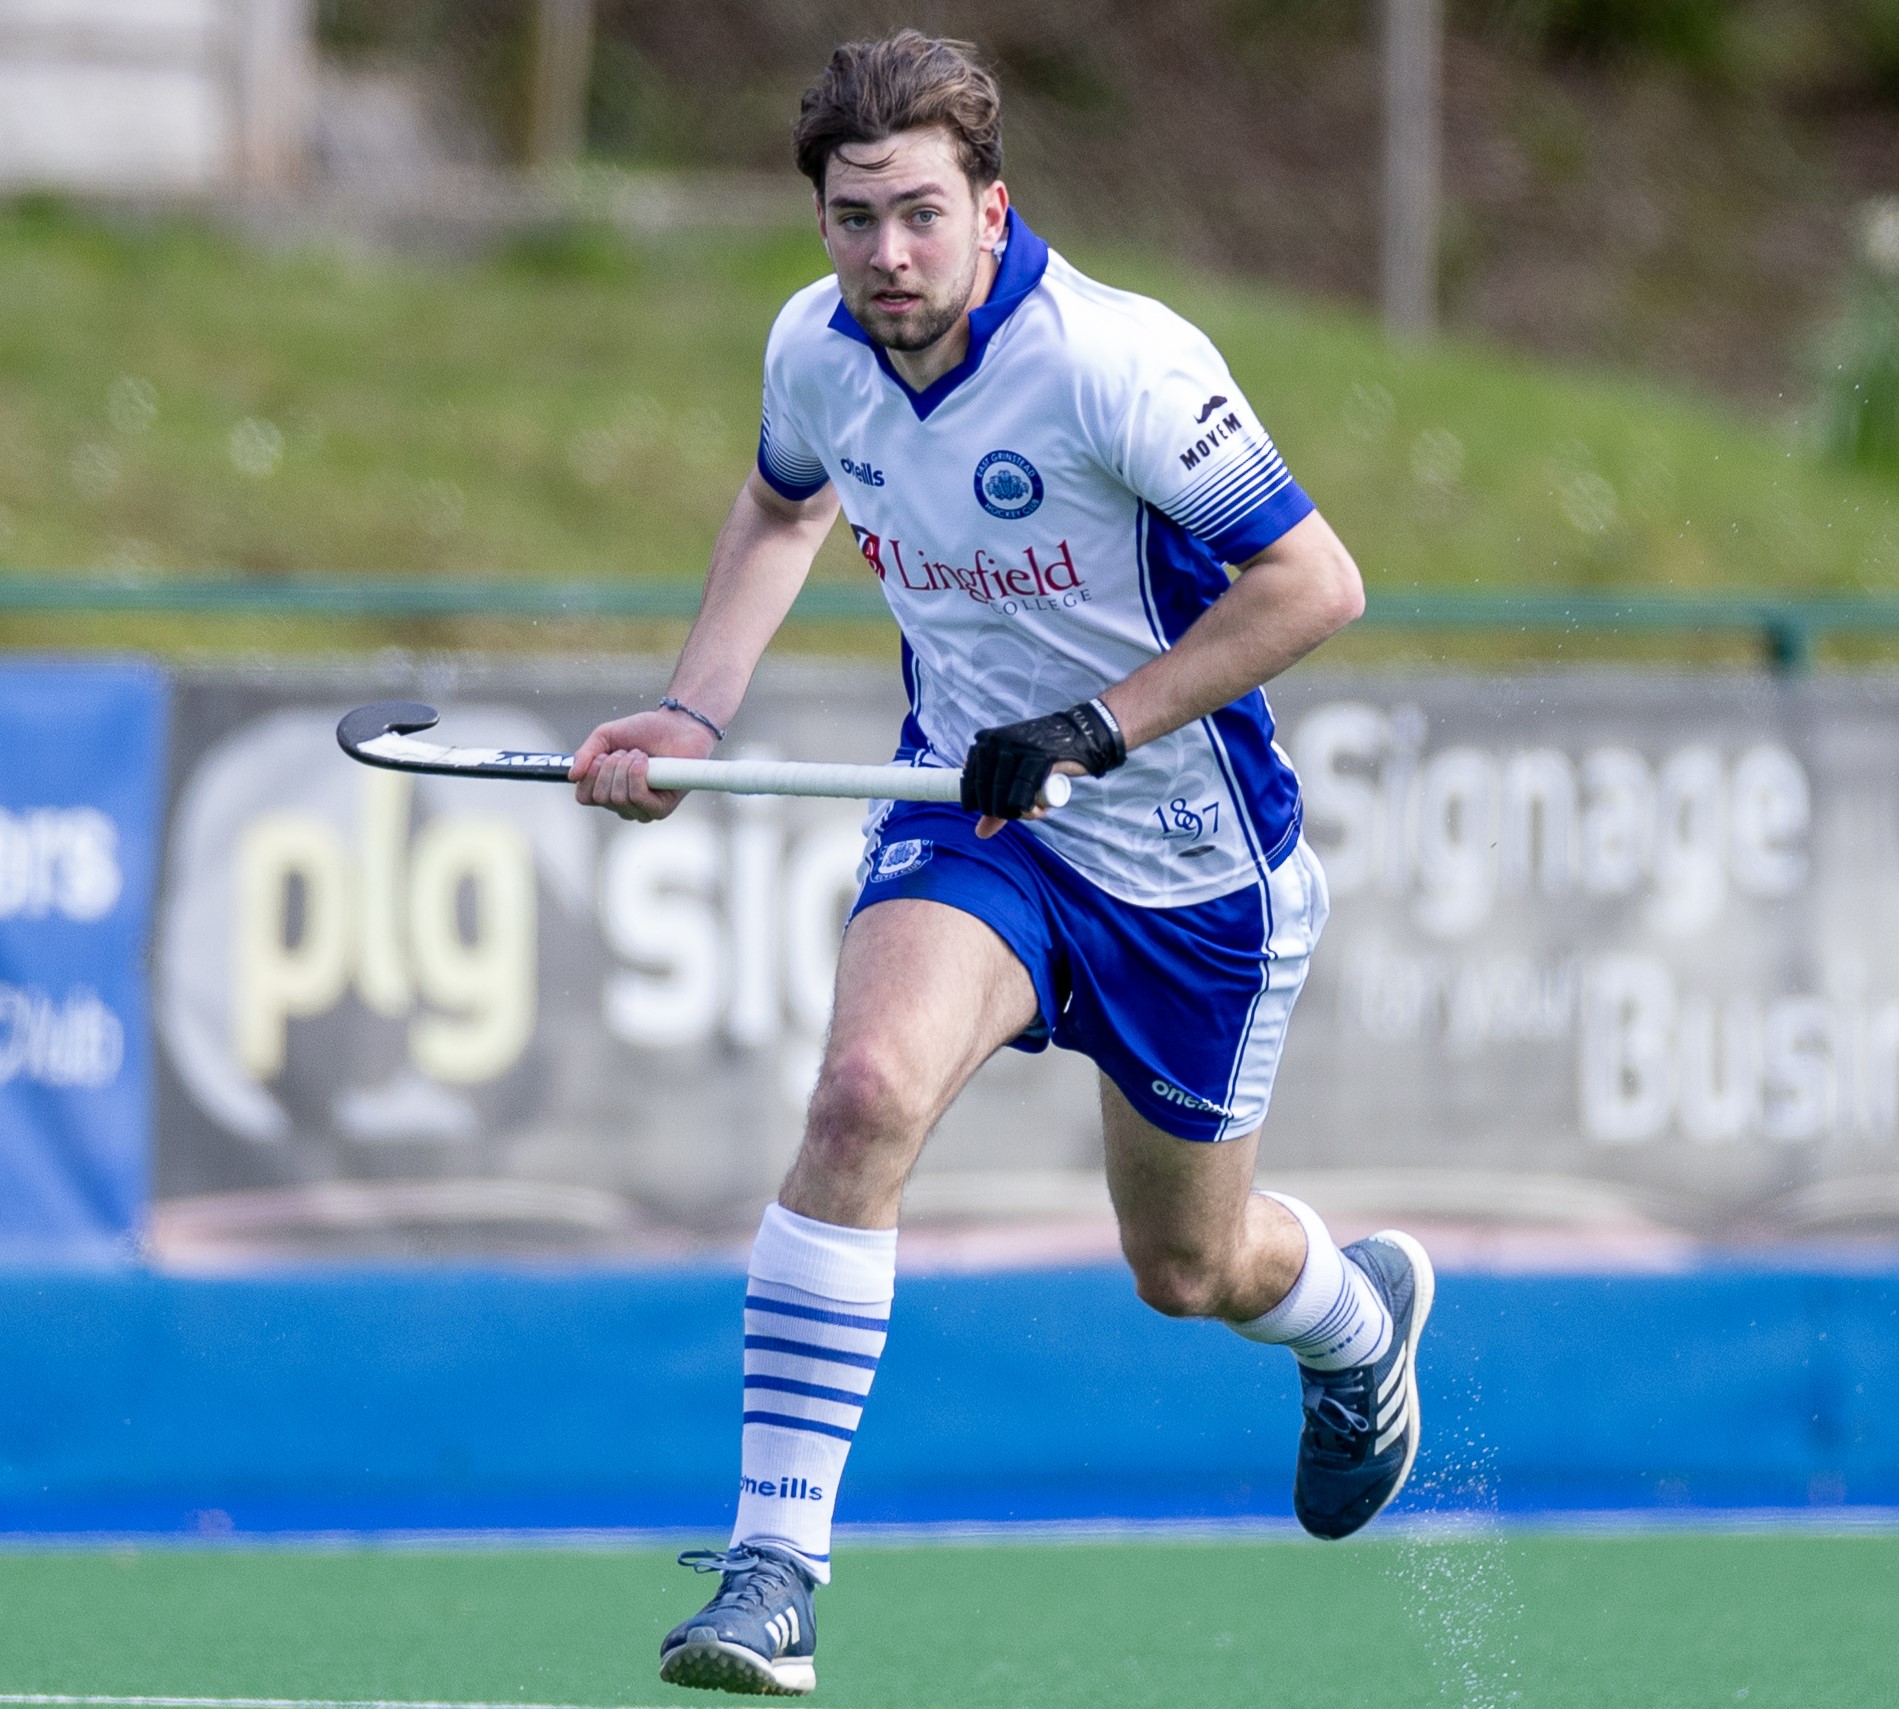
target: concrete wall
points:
(153, 95)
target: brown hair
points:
(873, 90)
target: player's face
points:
(907, 232)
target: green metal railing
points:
(1787, 630)
(366, 596)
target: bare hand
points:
(609, 768)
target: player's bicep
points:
(817, 510)
(1195, 450)
(1311, 561)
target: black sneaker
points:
(1361, 1429)
(757, 1637)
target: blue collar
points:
(1024, 261)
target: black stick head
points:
(366, 723)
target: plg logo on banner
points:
(418, 1001)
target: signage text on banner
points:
(81, 782)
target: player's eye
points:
(855, 222)
(924, 216)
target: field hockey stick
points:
(384, 735)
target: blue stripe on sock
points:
(813, 1391)
(1334, 1320)
(810, 1350)
(813, 1426)
(811, 1314)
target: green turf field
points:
(1673, 1621)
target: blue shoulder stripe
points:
(795, 478)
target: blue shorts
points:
(1184, 1009)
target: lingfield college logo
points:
(1008, 486)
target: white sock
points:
(816, 1306)
(1332, 1318)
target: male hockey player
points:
(1047, 476)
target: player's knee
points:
(1179, 1285)
(863, 1100)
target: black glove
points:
(1008, 765)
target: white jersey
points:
(1045, 519)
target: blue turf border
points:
(376, 1401)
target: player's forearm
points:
(1296, 594)
(759, 563)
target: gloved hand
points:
(1008, 764)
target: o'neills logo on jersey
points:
(1045, 578)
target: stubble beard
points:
(930, 321)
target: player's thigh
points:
(926, 993)
(1176, 1199)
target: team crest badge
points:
(896, 859)
(1008, 486)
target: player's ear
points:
(992, 203)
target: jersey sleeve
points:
(1193, 448)
(785, 457)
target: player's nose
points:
(892, 255)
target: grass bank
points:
(578, 408)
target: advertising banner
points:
(1620, 942)
(1609, 973)
(81, 786)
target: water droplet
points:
(132, 556)
(1437, 459)
(95, 470)
(257, 447)
(1880, 236)
(1370, 412)
(131, 404)
(1589, 502)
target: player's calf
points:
(1183, 1285)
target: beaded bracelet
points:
(672, 705)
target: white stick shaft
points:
(804, 777)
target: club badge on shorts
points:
(1008, 486)
(896, 859)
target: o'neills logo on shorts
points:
(1045, 579)
(1187, 1100)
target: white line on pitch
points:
(53, 1699)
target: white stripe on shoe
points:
(1423, 1296)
